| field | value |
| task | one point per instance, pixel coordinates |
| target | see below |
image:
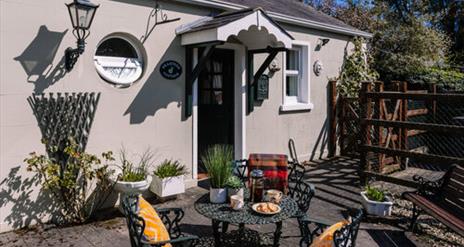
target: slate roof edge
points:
(283, 18)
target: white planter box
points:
(377, 208)
(167, 186)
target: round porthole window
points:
(119, 60)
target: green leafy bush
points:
(218, 162)
(77, 180)
(234, 182)
(169, 168)
(131, 172)
(375, 194)
(355, 69)
(447, 79)
(402, 49)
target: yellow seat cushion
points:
(155, 230)
(326, 238)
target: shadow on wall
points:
(322, 142)
(157, 92)
(37, 59)
(17, 191)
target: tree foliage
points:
(410, 36)
(355, 70)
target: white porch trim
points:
(239, 106)
(255, 20)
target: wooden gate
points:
(392, 121)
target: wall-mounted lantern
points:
(321, 43)
(81, 13)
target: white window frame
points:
(102, 62)
(302, 101)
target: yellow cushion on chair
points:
(155, 230)
(326, 238)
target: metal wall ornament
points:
(262, 88)
(170, 70)
(318, 67)
(156, 17)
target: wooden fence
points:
(392, 121)
(396, 126)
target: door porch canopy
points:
(252, 28)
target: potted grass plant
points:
(168, 179)
(217, 160)
(234, 186)
(132, 177)
(376, 202)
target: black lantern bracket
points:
(81, 13)
(156, 17)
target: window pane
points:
(217, 97)
(292, 60)
(116, 47)
(217, 81)
(217, 67)
(292, 86)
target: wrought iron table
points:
(222, 215)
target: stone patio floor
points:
(337, 190)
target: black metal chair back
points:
(295, 176)
(346, 236)
(292, 149)
(135, 224)
(302, 192)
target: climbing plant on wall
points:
(78, 180)
(355, 69)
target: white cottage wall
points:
(147, 114)
(308, 128)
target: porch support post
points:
(192, 75)
(253, 78)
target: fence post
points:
(433, 89)
(332, 118)
(341, 119)
(378, 130)
(365, 104)
(404, 131)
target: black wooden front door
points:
(216, 101)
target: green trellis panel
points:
(64, 115)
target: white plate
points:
(255, 206)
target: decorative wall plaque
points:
(170, 70)
(262, 88)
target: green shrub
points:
(234, 182)
(447, 79)
(218, 162)
(78, 181)
(375, 194)
(169, 168)
(131, 172)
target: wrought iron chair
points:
(171, 218)
(344, 237)
(302, 192)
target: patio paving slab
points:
(336, 191)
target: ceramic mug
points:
(274, 196)
(236, 202)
